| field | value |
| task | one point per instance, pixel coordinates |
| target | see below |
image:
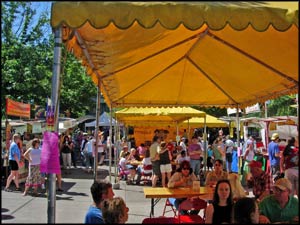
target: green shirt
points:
(154, 150)
(216, 153)
(270, 208)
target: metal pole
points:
(177, 134)
(297, 104)
(6, 147)
(238, 133)
(237, 126)
(109, 150)
(116, 139)
(205, 145)
(55, 103)
(96, 130)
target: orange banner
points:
(7, 136)
(17, 108)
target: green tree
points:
(282, 106)
(78, 92)
(25, 56)
(27, 62)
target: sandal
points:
(7, 190)
(18, 189)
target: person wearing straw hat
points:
(274, 154)
(280, 207)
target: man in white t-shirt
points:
(182, 144)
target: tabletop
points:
(162, 192)
(135, 162)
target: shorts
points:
(156, 168)
(165, 168)
(130, 167)
(13, 165)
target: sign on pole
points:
(14, 108)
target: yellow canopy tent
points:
(156, 116)
(225, 54)
(211, 121)
(147, 119)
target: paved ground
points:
(72, 204)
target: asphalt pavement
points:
(72, 204)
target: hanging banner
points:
(50, 153)
(252, 109)
(231, 111)
(14, 108)
(50, 115)
(7, 136)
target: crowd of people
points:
(275, 193)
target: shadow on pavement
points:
(81, 173)
(6, 217)
(4, 210)
(75, 193)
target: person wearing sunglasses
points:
(217, 174)
(281, 206)
(184, 177)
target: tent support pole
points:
(55, 101)
(205, 145)
(97, 130)
(116, 144)
(109, 150)
(238, 132)
(237, 125)
(177, 133)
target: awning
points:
(156, 116)
(211, 121)
(224, 54)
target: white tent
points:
(104, 120)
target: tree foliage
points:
(27, 62)
(282, 106)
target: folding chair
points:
(122, 174)
(160, 220)
(192, 204)
(146, 176)
(169, 204)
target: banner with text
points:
(14, 108)
(252, 109)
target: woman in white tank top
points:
(33, 155)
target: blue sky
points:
(42, 6)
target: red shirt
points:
(291, 157)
